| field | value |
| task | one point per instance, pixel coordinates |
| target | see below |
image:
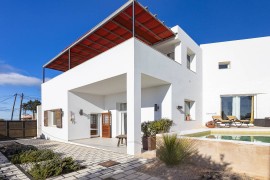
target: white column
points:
(133, 113)
(166, 105)
(39, 120)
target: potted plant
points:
(147, 140)
(188, 117)
(150, 129)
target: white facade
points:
(178, 76)
(141, 77)
(248, 74)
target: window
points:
(188, 61)
(123, 106)
(224, 65)
(53, 118)
(189, 110)
(191, 60)
(171, 55)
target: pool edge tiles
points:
(242, 131)
(196, 133)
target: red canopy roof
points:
(111, 32)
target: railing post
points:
(133, 18)
(69, 58)
(43, 74)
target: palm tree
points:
(32, 106)
(25, 108)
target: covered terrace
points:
(130, 20)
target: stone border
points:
(9, 170)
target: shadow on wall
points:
(155, 95)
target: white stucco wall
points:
(185, 84)
(79, 125)
(248, 75)
(55, 91)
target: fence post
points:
(24, 129)
(7, 126)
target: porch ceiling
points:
(117, 84)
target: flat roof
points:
(115, 29)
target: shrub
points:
(151, 128)
(53, 167)
(173, 151)
(33, 156)
(15, 148)
(145, 129)
(161, 126)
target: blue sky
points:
(32, 32)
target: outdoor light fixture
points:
(81, 112)
(156, 107)
(179, 107)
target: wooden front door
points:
(106, 125)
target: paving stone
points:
(70, 174)
(104, 176)
(94, 175)
(129, 172)
(106, 171)
(144, 176)
(83, 178)
(96, 178)
(131, 176)
(70, 178)
(118, 176)
(123, 179)
(118, 171)
(82, 175)
(128, 168)
(154, 178)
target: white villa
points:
(132, 68)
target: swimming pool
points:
(246, 136)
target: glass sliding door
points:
(239, 106)
(226, 107)
(245, 107)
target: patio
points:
(86, 156)
(109, 144)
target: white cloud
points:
(18, 79)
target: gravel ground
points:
(191, 171)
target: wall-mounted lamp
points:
(81, 112)
(156, 107)
(179, 107)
